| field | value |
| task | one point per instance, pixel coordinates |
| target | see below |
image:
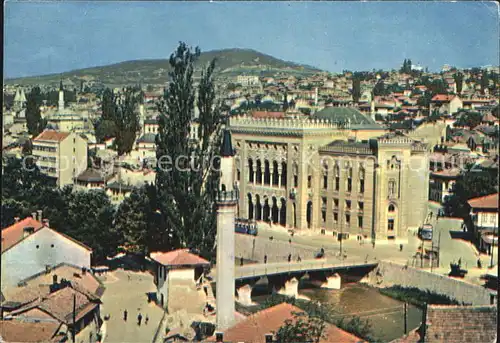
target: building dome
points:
(347, 114)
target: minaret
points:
(61, 97)
(227, 200)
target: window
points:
(390, 225)
(360, 221)
(335, 217)
(323, 215)
(348, 219)
(349, 180)
(323, 202)
(325, 176)
(295, 181)
(391, 208)
(309, 181)
(361, 205)
(337, 177)
(392, 187)
(492, 218)
(348, 204)
(238, 175)
(335, 203)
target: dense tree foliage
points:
(120, 118)
(469, 119)
(406, 68)
(85, 216)
(34, 120)
(472, 182)
(186, 186)
(301, 328)
(139, 222)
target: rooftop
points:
(461, 323)
(14, 233)
(51, 135)
(19, 331)
(487, 201)
(254, 328)
(346, 114)
(179, 257)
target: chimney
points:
(45, 222)
(33, 215)
(16, 219)
(39, 218)
(219, 337)
(54, 279)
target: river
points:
(385, 314)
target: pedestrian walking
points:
(460, 261)
(289, 257)
(241, 261)
(479, 264)
(265, 258)
(299, 259)
(139, 319)
(271, 238)
(401, 247)
(128, 277)
(125, 314)
(147, 320)
(290, 241)
(373, 244)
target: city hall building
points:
(336, 171)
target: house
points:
(254, 328)
(30, 246)
(441, 184)
(484, 214)
(446, 104)
(69, 308)
(178, 275)
(41, 284)
(61, 155)
(92, 179)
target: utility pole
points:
(439, 249)
(73, 331)
(406, 318)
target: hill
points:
(230, 62)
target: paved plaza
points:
(130, 294)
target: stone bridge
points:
(283, 277)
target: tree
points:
(302, 328)
(186, 189)
(459, 80)
(379, 89)
(285, 103)
(472, 183)
(469, 119)
(34, 120)
(485, 82)
(356, 87)
(90, 221)
(138, 222)
(126, 120)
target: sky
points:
(56, 36)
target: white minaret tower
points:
(227, 200)
(61, 97)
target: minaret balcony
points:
(227, 197)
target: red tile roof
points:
(265, 114)
(442, 97)
(59, 305)
(18, 331)
(254, 328)
(180, 257)
(14, 233)
(51, 135)
(487, 201)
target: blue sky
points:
(51, 37)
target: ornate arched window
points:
(392, 188)
(325, 175)
(336, 173)
(391, 208)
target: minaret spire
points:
(227, 200)
(61, 97)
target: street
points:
(131, 294)
(447, 234)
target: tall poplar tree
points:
(34, 120)
(186, 179)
